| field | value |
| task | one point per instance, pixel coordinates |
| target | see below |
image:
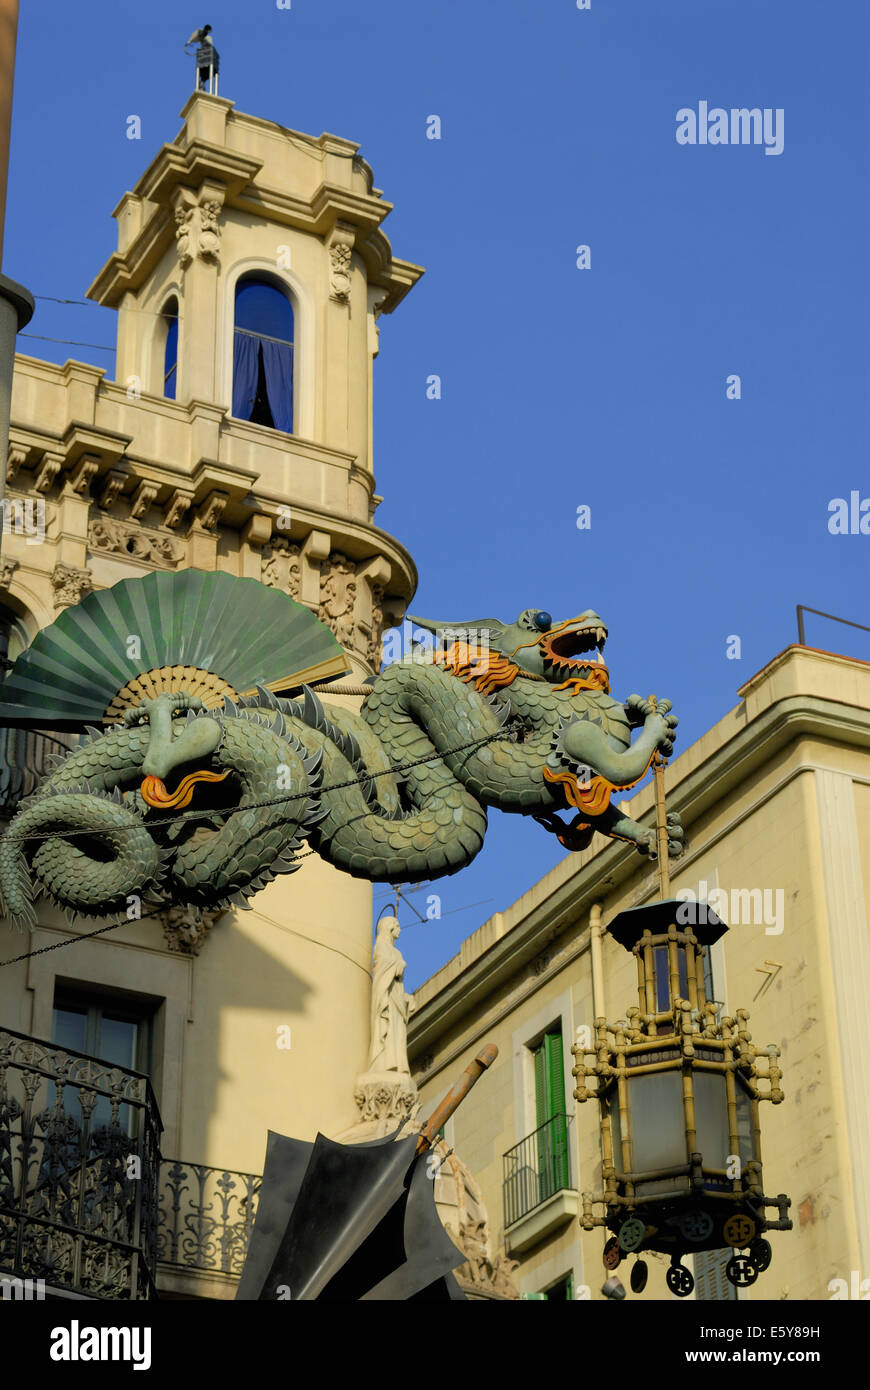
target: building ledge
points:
(542, 1221)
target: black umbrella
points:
(354, 1221)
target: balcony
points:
(24, 761)
(539, 1194)
(79, 1156)
(88, 1206)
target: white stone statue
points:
(391, 1006)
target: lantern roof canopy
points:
(629, 926)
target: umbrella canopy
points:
(345, 1222)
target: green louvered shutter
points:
(552, 1136)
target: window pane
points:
(658, 1122)
(261, 308)
(117, 1041)
(170, 357)
(70, 1028)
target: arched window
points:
(170, 355)
(263, 354)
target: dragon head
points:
(559, 652)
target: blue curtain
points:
(278, 368)
(245, 363)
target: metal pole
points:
(800, 617)
(661, 820)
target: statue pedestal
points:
(386, 1100)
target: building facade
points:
(236, 437)
(775, 799)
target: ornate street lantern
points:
(679, 1090)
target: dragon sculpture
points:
(178, 802)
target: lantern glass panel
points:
(663, 977)
(711, 1118)
(611, 1108)
(745, 1130)
(658, 1126)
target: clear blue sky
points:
(560, 387)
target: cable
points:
(274, 801)
(68, 342)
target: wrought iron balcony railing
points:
(25, 755)
(86, 1203)
(206, 1215)
(79, 1156)
(537, 1168)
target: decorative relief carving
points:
(111, 488)
(209, 230)
(126, 539)
(70, 584)
(183, 229)
(16, 459)
(7, 569)
(197, 231)
(280, 567)
(176, 508)
(142, 499)
(83, 474)
(47, 472)
(338, 597)
(374, 650)
(186, 928)
(212, 509)
(339, 272)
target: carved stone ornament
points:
(16, 458)
(70, 584)
(142, 499)
(186, 928)
(386, 1099)
(374, 650)
(111, 488)
(212, 509)
(83, 474)
(46, 472)
(197, 231)
(339, 272)
(176, 508)
(280, 568)
(338, 597)
(125, 538)
(209, 230)
(462, 1210)
(7, 569)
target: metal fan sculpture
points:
(347, 1222)
(211, 635)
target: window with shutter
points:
(552, 1133)
(710, 1282)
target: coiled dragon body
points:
(510, 716)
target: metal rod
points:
(661, 819)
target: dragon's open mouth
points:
(154, 791)
(562, 647)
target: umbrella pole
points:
(661, 820)
(485, 1058)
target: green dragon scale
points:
(513, 716)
